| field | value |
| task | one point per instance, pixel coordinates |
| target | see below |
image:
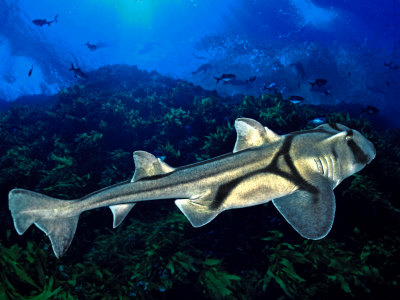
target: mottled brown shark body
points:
(297, 171)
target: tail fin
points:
(217, 79)
(48, 214)
(72, 67)
(56, 19)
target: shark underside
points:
(297, 171)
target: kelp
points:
(312, 269)
(84, 141)
(23, 274)
(217, 283)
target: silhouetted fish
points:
(91, 47)
(318, 121)
(225, 77)
(30, 71)
(370, 110)
(251, 79)
(78, 73)
(41, 22)
(296, 99)
(392, 66)
(319, 82)
(270, 87)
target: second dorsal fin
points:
(146, 165)
(251, 133)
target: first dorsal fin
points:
(251, 133)
(271, 136)
(146, 164)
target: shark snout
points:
(371, 152)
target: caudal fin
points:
(48, 214)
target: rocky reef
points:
(82, 140)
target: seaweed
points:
(84, 142)
(24, 275)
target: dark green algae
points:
(82, 140)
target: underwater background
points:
(85, 83)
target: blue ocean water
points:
(85, 83)
(347, 43)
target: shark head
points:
(352, 150)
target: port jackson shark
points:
(297, 171)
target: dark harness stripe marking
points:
(359, 155)
(334, 126)
(294, 176)
(224, 190)
(221, 157)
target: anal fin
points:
(119, 212)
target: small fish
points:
(391, 65)
(251, 79)
(296, 99)
(91, 47)
(270, 86)
(370, 110)
(319, 82)
(297, 172)
(78, 73)
(30, 71)
(203, 68)
(225, 78)
(326, 92)
(318, 121)
(41, 22)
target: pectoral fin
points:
(310, 214)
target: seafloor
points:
(82, 139)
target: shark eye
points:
(349, 135)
